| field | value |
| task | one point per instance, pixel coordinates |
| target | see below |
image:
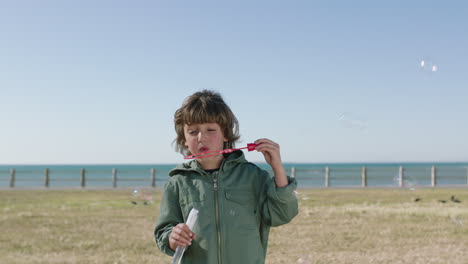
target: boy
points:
(237, 201)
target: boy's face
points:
(204, 137)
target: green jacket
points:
(237, 206)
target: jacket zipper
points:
(215, 186)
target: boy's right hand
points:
(180, 236)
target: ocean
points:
(309, 175)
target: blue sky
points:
(98, 81)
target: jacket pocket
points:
(240, 207)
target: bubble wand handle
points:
(250, 147)
(192, 218)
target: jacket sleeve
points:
(169, 216)
(280, 205)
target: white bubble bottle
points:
(192, 218)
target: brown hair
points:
(205, 107)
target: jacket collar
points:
(228, 162)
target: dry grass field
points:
(334, 226)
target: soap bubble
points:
(409, 182)
(142, 196)
(457, 220)
(306, 259)
(396, 180)
(428, 66)
(349, 120)
(301, 196)
(136, 192)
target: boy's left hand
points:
(270, 150)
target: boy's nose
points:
(201, 136)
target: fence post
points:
(46, 176)
(12, 178)
(327, 176)
(83, 178)
(153, 177)
(400, 177)
(433, 176)
(114, 178)
(293, 172)
(364, 176)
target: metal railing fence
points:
(328, 176)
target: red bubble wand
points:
(250, 147)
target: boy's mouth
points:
(203, 149)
